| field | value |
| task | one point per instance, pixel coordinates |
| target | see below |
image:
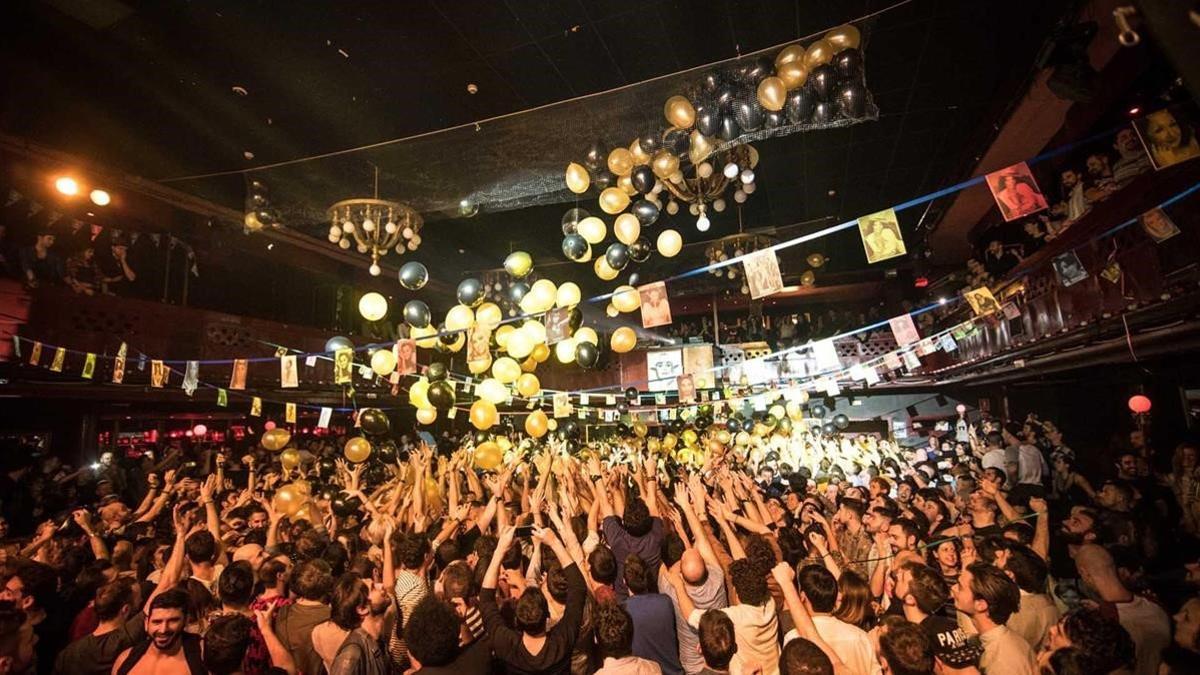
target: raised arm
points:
(280, 656)
(84, 519)
(699, 536)
(800, 617)
(1041, 531)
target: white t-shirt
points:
(849, 642)
(1030, 465)
(1150, 629)
(995, 458)
(756, 630)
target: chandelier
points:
(375, 226)
(710, 181)
(720, 250)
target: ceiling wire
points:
(477, 123)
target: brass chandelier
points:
(375, 226)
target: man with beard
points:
(170, 651)
(361, 607)
(1146, 622)
(1133, 159)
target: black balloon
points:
(447, 338)
(602, 180)
(724, 97)
(640, 250)
(344, 505)
(817, 411)
(708, 119)
(852, 99)
(574, 318)
(748, 424)
(649, 141)
(518, 289)
(416, 313)
(642, 179)
(413, 275)
(259, 187)
(711, 80)
(377, 473)
(587, 354)
(646, 211)
(754, 71)
(799, 105)
(326, 466)
(570, 429)
(634, 279)
(849, 64)
(676, 142)
(749, 113)
(828, 428)
(596, 157)
(258, 201)
(440, 394)
(622, 407)
(733, 425)
(374, 421)
(824, 112)
(774, 118)
(729, 128)
(823, 79)
(575, 247)
(841, 421)
(632, 396)
(617, 255)
(436, 371)
(470, 292)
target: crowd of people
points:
(88, 260)
(780, 330)
(750, 546)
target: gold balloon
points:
(290, 459)
(723, 437)
(611, 311)
(612, 201)
(586, 334)
(844, 37)
(794, 411)
(604, 270)
(506, 370)
(528, 385)
(460, 317)
(357, 449)
(620, 161)
(569, 294)
(488, 455)
(776, 411)
(418, 394)
(664, 165)
(529, 365)
(623, 340)
(491, 390)
(669, 243)
(543, 294)
(489, 315)
(815, 259)
(670, 441)
(518, 264)
(679, 112)
(772, 93)
(426, 415)
(689, 437)
(626, 299)
(383, 362)
(565, 351)
(536, 424)
(808, 278)
(552, 424)
(519, 344)
(715, 447)
(818, 53)
(540, 353)
(592, 229)
(789, 54)
(627, 228)
(793, 73)
(480, 366)
(626, 185)
(640, 429)
(578, 180)
(425, 337)
(483, 414)
(276, 439)
(699, 147)
(287, 500)
(640, 156)
(742, 438)
(653, 445)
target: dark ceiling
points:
(148, 87)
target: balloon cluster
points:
(260, 212)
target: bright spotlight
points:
(100, 198)
(67, 186)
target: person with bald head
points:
(254, 554)
(1146, 622)
(702, 574)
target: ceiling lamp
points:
(708, 186)
(375, 226)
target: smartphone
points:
(523, 531)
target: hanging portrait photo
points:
(558, 325)
(656, 309)
(406, 357)
(343, 363)
(478, 339)
(1158, 225)
(982, 301)
(881, 236)
(1069, 269)
(762, 274)
(1169, 136)
(1016, 192)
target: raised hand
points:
(783, 573)
(1038, 504)
(546, 536)
(505, 539)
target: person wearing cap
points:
(986, 595)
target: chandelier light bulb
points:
(731, 170)
(333, 238)
(368, 225)
(747, 176)
(390, 227)
(361, 248)
(718, 205)
(348, 226)
(704, 170)
(739, 197)
(344, 244)
(672, 207)
(407, 233)
(677, 177)
(694, 209)
(749, 188)
(702, 223)
(374, 269)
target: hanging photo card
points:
(982, 301)
(326, 416)
(904, 330)
(191, 377)
(1069, 269)
(89, 367)
(288, 377)
(562, 404)
(1158, 225)
(237, 379)
(1016, 192)
(892, 361)
(656, 307)
(343, 366)
(289, 413)
(118, 374)
(881, 236)
(558, 325)
(158, 373)
(686, 387)
(1169, 135)
(826, 356)
(948, 344)
(911, 361)
(762, 273)
(872, 375)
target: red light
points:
(921, 282)
(1134, 110)
(268, 425)
(1139, 404)
(199, 430)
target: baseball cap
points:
(950, 643)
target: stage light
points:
(1134, 111)
(199, 430)
(100, 198)
(942, 301)
(921, 282)
(67, 186)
